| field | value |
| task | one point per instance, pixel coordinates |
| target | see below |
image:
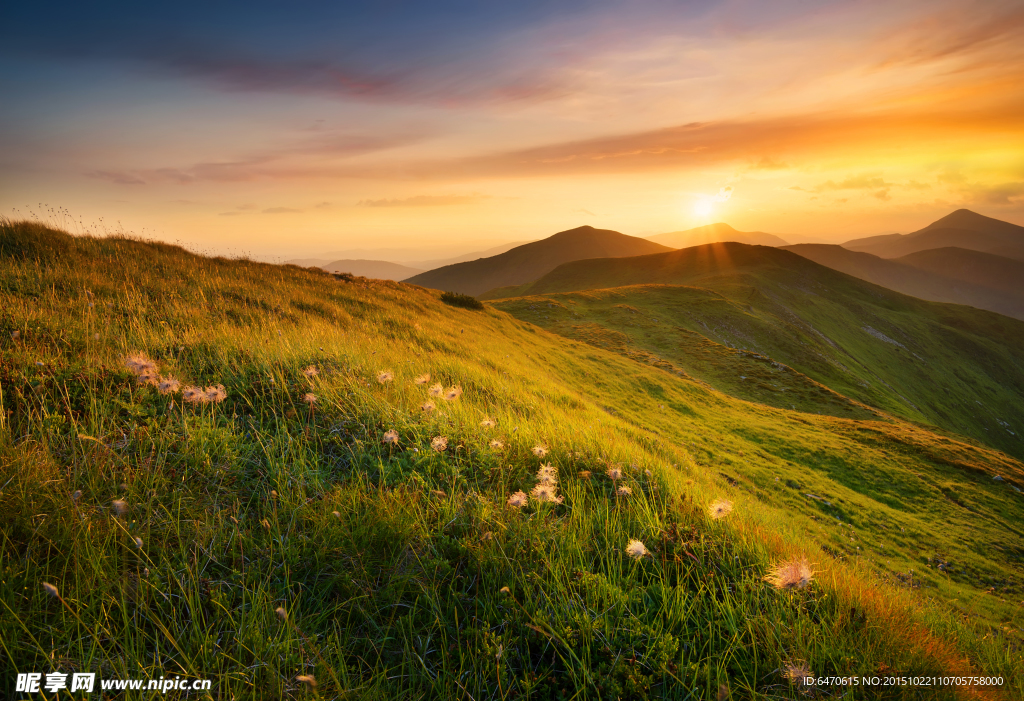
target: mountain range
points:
(960, 229)
(532, 260)
(954, 275)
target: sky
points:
(284, 130)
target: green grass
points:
(953, 367)
(390, 559)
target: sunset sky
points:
(307, 128)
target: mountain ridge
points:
(533, 260)
(718, 232)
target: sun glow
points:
(703, 208)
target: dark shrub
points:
(459, 300)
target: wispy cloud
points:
(281, 210)
(425, 201)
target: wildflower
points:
(635, 549)
(422, 379)
(16, 335)
(265, 523)
(168, 385)
(193, 395)
(51, 590)
(720, 509)
(438, 493)
(216, 394)
(439, 443)
(436, 390)
(505, 590)
(140, 365)
(95, 337)
(487, 536)
(548, 474)
(138, 542)
(793, 574)
(273, 494)
(649, 474)
(540, 450)
(311, 372)
(391, 437)
(385, 376)
(336, 515)
(623, 491)
(76, 495)
(517, 500)
(614, 473)
(546, 493)
(281, 613)
(496, 444)
(797, 671)
(428, 407)
(585, 474)
(123, 486)
(120, 506)
(488, 423)
(306, 679)
(452, 394)
(309, 398)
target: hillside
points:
(532, 260)
(228, 470)
(950, 366)
(960, 229)
(715, 233)
(972, 267)
(953, 275)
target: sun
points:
(703, 207)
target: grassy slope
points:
(398, 595)
(954, 367)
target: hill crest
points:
(530, 261)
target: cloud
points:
(1001, 194)
(425, 201)
(699, 144)
(857, 182)
(281, 210)
(883, 195)
(584, 211)
(769, 163)
(117, 177)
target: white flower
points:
(635, 549)
(517, 500)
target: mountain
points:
(379, 269)
(308, 262)
(949, 366)
(961, 229)
(715, 233)
(953, 275)
(532, 260)
(433, 263)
